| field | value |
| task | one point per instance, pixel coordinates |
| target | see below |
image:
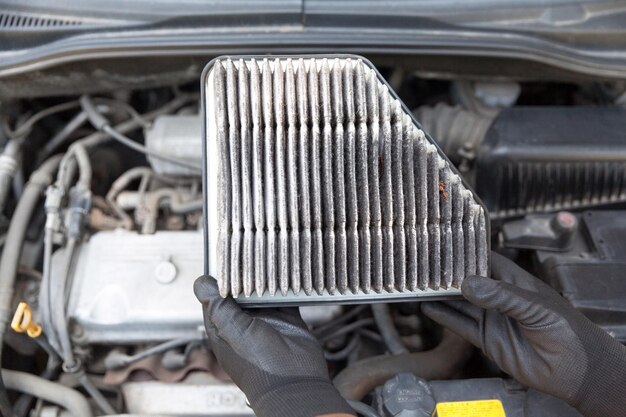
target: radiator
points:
(320, 186)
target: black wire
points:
(347, 329)
(339, 320)
(102, 124)
(25, 128)
(125, 140)
(371, 335)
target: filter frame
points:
(291, 299)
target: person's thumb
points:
(222, 313)
(480, 291)
(517, 303)
(205, 289)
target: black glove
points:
(537, 337)
(271, 355)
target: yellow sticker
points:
(482, 408)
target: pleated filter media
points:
(320, 186)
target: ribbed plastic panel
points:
(320, 186)
(529, 187)
(542, 159)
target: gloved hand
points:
(271, 355)
(536, 336)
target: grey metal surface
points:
(360, 297)
(326, 189)
(177, 136)
(118, 292)
(190, 398)
(131, 288)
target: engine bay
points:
(102, 234)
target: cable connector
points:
(80, 204)
(54, 198)
(23, 321)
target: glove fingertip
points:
(205, 288)
(477, 289)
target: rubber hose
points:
(24, 403)
(53, 392)
(84, 165)
(387, 329)
(361, 377)
(363, 409)
(5, 405)
(98, 138)
(8, 167)
(78, 153)
(9, 261)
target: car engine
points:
(102, 219)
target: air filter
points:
(319, 186)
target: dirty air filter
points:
(319, 186)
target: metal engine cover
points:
(131, 288)
(320, 186)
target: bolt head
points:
(165, 272)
